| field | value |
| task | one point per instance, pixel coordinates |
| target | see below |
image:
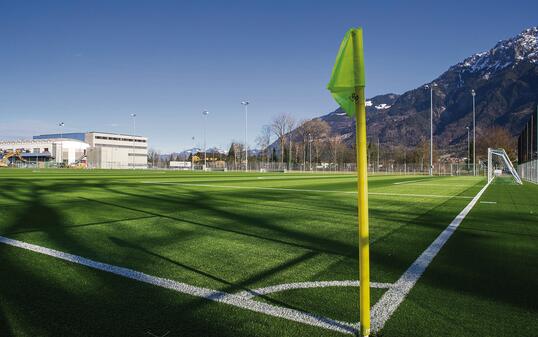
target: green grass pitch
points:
(236, 232)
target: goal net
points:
(499, 164)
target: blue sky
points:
(93, 63)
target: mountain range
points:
(505, 79)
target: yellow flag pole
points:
(362, 190)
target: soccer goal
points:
(499, 163)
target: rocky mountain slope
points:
(505, 79)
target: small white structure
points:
(181, 165)
(66, 151)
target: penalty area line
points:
(208, 294)
(391, 300)
(284, 189)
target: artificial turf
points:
(223, 231)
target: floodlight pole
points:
(205, 113)
(192, 153)
(468, 148)
(133, 116)
(246, 103)
(431, 125)
(474, 132)
(377, 168)
(310, 150)
(289, 155)
(61, 125)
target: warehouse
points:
(99, 150)
(61, 151)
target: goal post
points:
(502, 159)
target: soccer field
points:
(162, 253)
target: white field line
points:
(309, 190)
(209, 294)
(246, 178)
(410, 181)
(440, 185)
(307, 285)
(390, 300)
(488, 202)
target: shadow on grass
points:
(48, 297)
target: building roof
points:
(44, 140)
(116, 134)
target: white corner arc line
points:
(390, 300)
(307, 285)
(208, 294)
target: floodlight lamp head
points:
(473, 92)
(133, 115)
(245, 102)
(61, 124)
(205, 112)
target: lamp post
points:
(61, 156)
(133, 116)
(192, 153)
(431, 124)
(468, 145)
(474, 132)
(205, 113)
(310, 151)
(289, 155)
(245, 104)
(377, 168)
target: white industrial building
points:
(95, 149)
(58, 150)
(116, 151)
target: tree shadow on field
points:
(247, 229)
(239, 223)
(231, 287)
(49, 297)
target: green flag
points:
(348, 71)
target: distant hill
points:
(505, 79)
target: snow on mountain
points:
(505, 53)
(382, 106)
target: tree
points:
(235, 153)
(494, 137)
(264, 140)
(281, 126)
(153, 157)
(317, 131)
(336, 147)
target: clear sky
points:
(92, 63)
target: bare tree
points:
(281, 126)
(264, 140)
(153, 157)
(318, 131)
(336, 146)
(495, 137)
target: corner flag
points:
(348, 71)
(347, 87)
